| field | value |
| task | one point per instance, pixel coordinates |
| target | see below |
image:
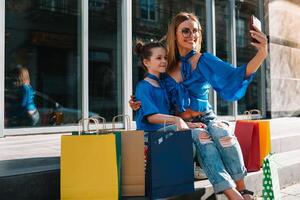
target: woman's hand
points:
(196, 125)
(262, 44)
(262, 53)
(134, 105)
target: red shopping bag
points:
(247, 133)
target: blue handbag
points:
(170, 169)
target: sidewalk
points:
(291, 192)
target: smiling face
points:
(157, 63)
(188, 36)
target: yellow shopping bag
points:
(89, 167)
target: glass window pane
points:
(105, 58)
(245, 51)
(223, 47)
(144, 9)
(43, 39)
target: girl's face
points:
(188, 35)
(157, 63)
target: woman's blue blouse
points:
(153, 101)
(193, 92)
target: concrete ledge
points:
(288, 171)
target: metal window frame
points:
(233, 49)
(211, 39)
(2, 64)
(127, 55)
(126, 61)
(263, 67)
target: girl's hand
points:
(262, 44)
(134, 105)
(181, 125)
(196, 125)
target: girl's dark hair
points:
(144, 50)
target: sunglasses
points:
(186, 32)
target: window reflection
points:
(43, 36)
(105, 58)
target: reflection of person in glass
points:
(190, 75)
(23, 111)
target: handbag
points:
(89, 165)
(170, 170)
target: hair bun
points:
(139, 48)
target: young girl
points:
(155, 107)
(24, 112)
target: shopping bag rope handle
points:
(126, 117)
(103, 120)
(251, 113)
(81, 125)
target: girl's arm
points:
(261, 54)
(168, 119)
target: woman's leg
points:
(227, 144)
(229, 149)
(211, 161)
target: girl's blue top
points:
(28, 97)
(154, 100)
(193, 91)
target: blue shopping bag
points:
(170, 169)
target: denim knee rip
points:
(226, 137)
(205, 138)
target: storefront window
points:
(105, 58)
(42, 38)
(245, 51)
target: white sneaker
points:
(199, 173)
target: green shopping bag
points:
(271, 187)
(103, 131)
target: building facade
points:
(81, 62)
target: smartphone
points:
(257, 23)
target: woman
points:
(190, 75)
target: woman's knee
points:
(222, 132)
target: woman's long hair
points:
(173, 54)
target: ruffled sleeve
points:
(177, 93)
(228, 81)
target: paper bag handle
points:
(126, 117)
(81, 125)
(103, 120)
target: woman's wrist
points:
(262, 53)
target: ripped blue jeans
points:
(219, 153)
